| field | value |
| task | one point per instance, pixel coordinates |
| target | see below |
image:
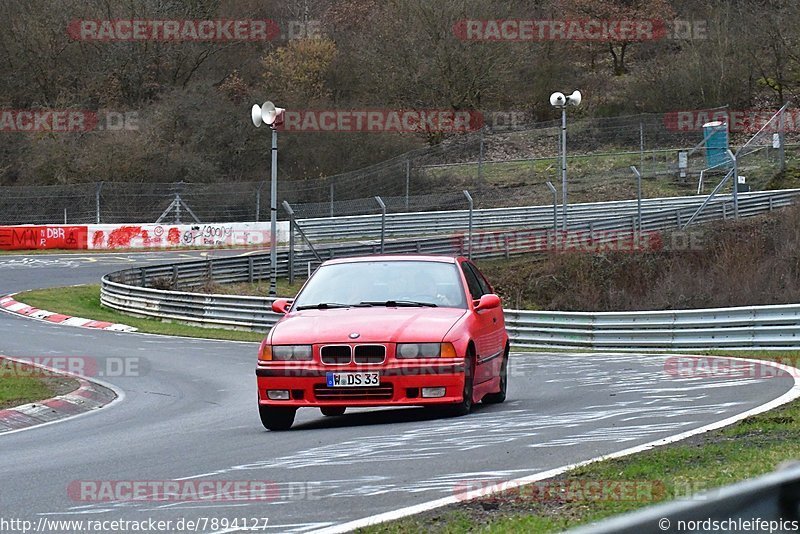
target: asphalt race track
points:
(191, 414)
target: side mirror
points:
(281, 305)
(488, 302)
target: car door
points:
(485, 326)
(496, 337)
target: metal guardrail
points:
(750, 327)
(773, 500)
(427, 223)
(734, 328)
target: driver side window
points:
(472, 281)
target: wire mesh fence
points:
(500, 165)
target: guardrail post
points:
(143, 273)
(505, 245)
(469, 231)
(250, 276)
(770, 203)
(724, 211)
(175, 276)
(678, 217)
(591, 231)
(383, 222)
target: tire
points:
(465, 406)
(500, 396)
(332, 411)
(277, 417)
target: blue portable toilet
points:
(715, 134)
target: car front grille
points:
(335, 354)
(370, 353)
(381, 392)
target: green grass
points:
(258, 289)
(84, 301)
(752, 447)
(20, 384)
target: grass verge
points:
(23, 384)
(752, 447)
(84, 301)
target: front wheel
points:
(465, 406)
(500, 396)
(277, 417)
(332, 411)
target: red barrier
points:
(43, 237)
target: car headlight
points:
(289, 353)
(425, 350)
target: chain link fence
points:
(501, 165)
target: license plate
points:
(349, 380)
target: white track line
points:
(790, 395)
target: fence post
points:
(333, 182)
(480, 161)
(641, 145)
(469, 231)
(408, 180)
(258, 199)
(638, 197)
(383, 222)
(290, 211)
(97, 202)
(781, 140)
(553, 190)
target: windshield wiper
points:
(398, 303)
(322, 306)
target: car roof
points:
(394, 257)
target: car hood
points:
(375, 324)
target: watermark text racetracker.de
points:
(67, 120)
(599, 30)
(726, 368)
(190, 30)
(579, 241)
(381, 120)
(86, 366)
(742, 120)
(565, 490)
(194, 490)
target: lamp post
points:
(559, 100)
(273, 117)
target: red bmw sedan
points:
(385, 331)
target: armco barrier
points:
(765, 504)
(752, 327)
(654, 211)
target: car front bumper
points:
(399, 385)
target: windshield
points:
(383, 283)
